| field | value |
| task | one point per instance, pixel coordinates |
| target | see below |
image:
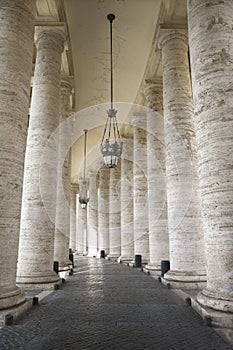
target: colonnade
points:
(170, 196)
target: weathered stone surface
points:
(16, 46)
(157, 191)
(141, 236)
(92, 224)
(36, 249)
(82, 221)
(103, 206)
(73, 216)
(115, 212)
(62, 223)
(184, 216)
(127, 234)
(211, 51)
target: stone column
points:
(141, 236)
(115, 212)
(92, 225)
(62, 223)
(103, 208)
(16, 47)
(127, 233)
(211, 52)
(187, 260)
(36, 249)
(73, 214)
(157, 190)
(82, 224)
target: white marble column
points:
(82, 224)
(141, 235)
(36, 248)
(92, 224)
(16, 47)
(103, 208)
(127, 233)
(73, 216)
(157, 190)
(211, 52)
(115, 212)
(62, 223)
(187, 258)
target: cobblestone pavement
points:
(106, 305)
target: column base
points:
(125, 259)
(153, 269)
(38, 282)
(211, 317)
(11, 297)
(113, 256)
(184, 280)
(215, 301)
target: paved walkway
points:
(108, 306)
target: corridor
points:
(106, 305)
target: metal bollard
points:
(71, 258)
(165, 267)
(56, 266)
(138, 260)
(102, 254)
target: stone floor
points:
(106, 305)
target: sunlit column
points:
(187, 258)
(211, 52)
(157, 190)
(36, 248)
(16, 48)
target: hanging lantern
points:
(111, 145)
(83, 195)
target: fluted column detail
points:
(211, 53)
(115, 212)
(16, 48)
(127, 234)
(82, 223)
(157, 191)
(73, 216)
(62, 223)
(187, 258)
(36, 249)
(92, 225)
(141, 236)
(103, 208)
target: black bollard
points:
(138, 260)
(71, 258)
(165, 267)
(56, 266)
(102, 254)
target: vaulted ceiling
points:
(87, 53)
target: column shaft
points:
(115, 212)
(141, 237)
(16, 48)
(36, 249)
(157, 190)
(184, 215)
(62, 223)
(103, 216)
(82, 224)
(73, 216)
(211, 52)
(127, 234)
(92, 225)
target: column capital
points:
(48, 34)
(74, 187)
(169, 32)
